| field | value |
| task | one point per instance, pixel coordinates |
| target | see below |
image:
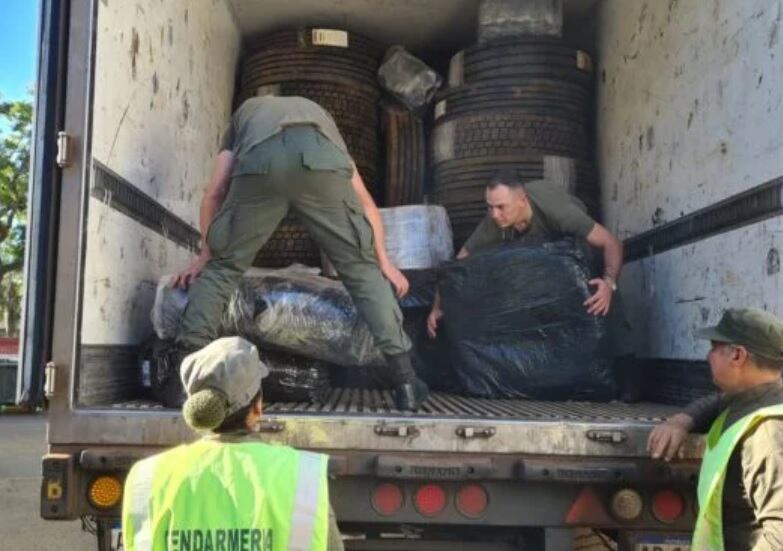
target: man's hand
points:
(189, 275)
(665, 440)
(396, 278)
(599, 303)
(433, 319)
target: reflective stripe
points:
(140, 499)
(306, 501)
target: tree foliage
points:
(15, 134)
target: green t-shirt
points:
(260, 118)
(556, 214)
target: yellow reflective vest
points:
(219, 496)
(708, 534)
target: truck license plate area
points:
(663, 543)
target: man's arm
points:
(599, 237)
(389, 270)
(667, 438)
(437, 312)
(762, 474)
(213, 199)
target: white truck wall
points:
(690, 105)
(163, 95)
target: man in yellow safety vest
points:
(228, 490)
(740, 487)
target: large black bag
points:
(516, 326)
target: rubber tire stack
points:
(510, 103)
(406, 156)
(308, 62)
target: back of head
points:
(508, 177)
(220, 379)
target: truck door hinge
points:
(400, 431)
(271, 425)
(476, 432)
(50, 371)
(63, 149)
(607, 436)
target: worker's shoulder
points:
(765, 437)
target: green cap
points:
(220, 379)
(757, 330)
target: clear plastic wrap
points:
(303, 314)
(407, 78)
(294, 378)
(170, 303)
(516, 326)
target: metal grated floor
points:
(368, 403)
(378, 402)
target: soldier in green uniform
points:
(741, 480)
(540, 211)
(284, 154)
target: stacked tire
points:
(337, 70)
(510, 103)
(406, 156)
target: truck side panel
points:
(689, 109)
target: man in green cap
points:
(281, 155)
(228, 490)
(741, 480)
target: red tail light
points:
(472, 501)
(668, 506)
(430, 500)
(387, 499)
(587, 510)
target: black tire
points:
(289, 244)
(506, 133)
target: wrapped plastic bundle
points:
(418, 237)
(301, 314)
(295, 379)
(170, 303)
(516, 326)
(408, 78)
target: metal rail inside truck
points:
(132, 99)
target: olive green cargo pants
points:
(302, 171)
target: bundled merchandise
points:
(516, 325)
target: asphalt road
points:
(22, 443)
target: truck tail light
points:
(105, 492)
(387, 499)
(587, 510)
(472, 501)
(627, 504)
(430, 500)
(668, 506)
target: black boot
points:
(409, 391)
(166, 381)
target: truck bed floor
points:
(363, 402)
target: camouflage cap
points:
(220, 379)
(757, 330)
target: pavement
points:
(22, 444)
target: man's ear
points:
(258, 406)
(739, 354)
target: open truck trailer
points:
(133, 97)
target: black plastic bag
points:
(516, 326)
(294, 378)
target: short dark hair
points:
(236, 421)
(508, 177)
(762, 362)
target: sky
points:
(18, 51)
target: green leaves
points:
(16, 119)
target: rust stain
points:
(134, 51)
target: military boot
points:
(410, 392)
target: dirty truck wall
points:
(163, 91)
(690, 104)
